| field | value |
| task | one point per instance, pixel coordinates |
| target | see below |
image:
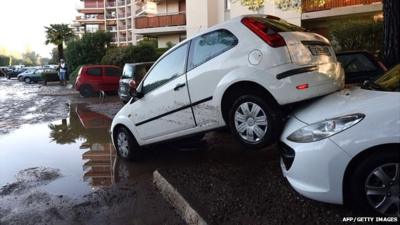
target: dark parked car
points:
(133, 72)
(14, 72)
(360, 66)
(94, 78)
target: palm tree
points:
(57, 34)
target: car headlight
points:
(324, 129)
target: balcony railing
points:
(122, 27)
(90, 17)
(312, 5)
(122, 39)
(160, 21)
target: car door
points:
(111, 77)
(165, 106)
(94, 77)
(209, 60)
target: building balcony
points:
(121, 3)
(312, 5)
(111, 4)
(112, 29)
(144, 22)
(98, 19)
(122, 27)
(91, 7)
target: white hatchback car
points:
(238, 73)
(345, 147)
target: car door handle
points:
(179, 86)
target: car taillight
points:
(271, 37)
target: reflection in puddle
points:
(79, 146)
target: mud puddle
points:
(67, 172)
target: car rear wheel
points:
(28, 80)
(86, 91)
(253, 122)
(126, 144)
(374, 186)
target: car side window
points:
(112, 72)
(95, 71)
(210, 45)
(168, 68)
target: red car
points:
(94, 78)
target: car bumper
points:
(315, 169)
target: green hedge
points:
(73, 75)
(357, 35)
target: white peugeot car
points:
(345, 147)
(238, 73)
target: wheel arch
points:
(388, 148)
(243, 87)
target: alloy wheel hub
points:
(382, 189)
(251, 122)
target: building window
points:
(92, 28)
(227, 5)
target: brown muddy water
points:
(79, 147)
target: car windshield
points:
(390, 81)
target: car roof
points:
(140, 63)
(90, 66)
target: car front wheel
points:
(374, 186)
(28, 80)
(126, 144)
(253, 122)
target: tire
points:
(8, 77)
(86, 91)
(251, 132)
(126, 145)
(376, 175)
(28, 80)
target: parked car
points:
(345, 147)
(14, 72)
(133, 72)
(238, 73)
(30, 75)
(360, 66)
(94, 78)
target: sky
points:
(22, 23)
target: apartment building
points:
(114, 16)
(171, 21)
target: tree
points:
(58, 34)
(391, 34)
(30, 58)
(90, 49)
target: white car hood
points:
(344, 102)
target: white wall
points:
(164, 39)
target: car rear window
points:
(277, 24)
(96, 71)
